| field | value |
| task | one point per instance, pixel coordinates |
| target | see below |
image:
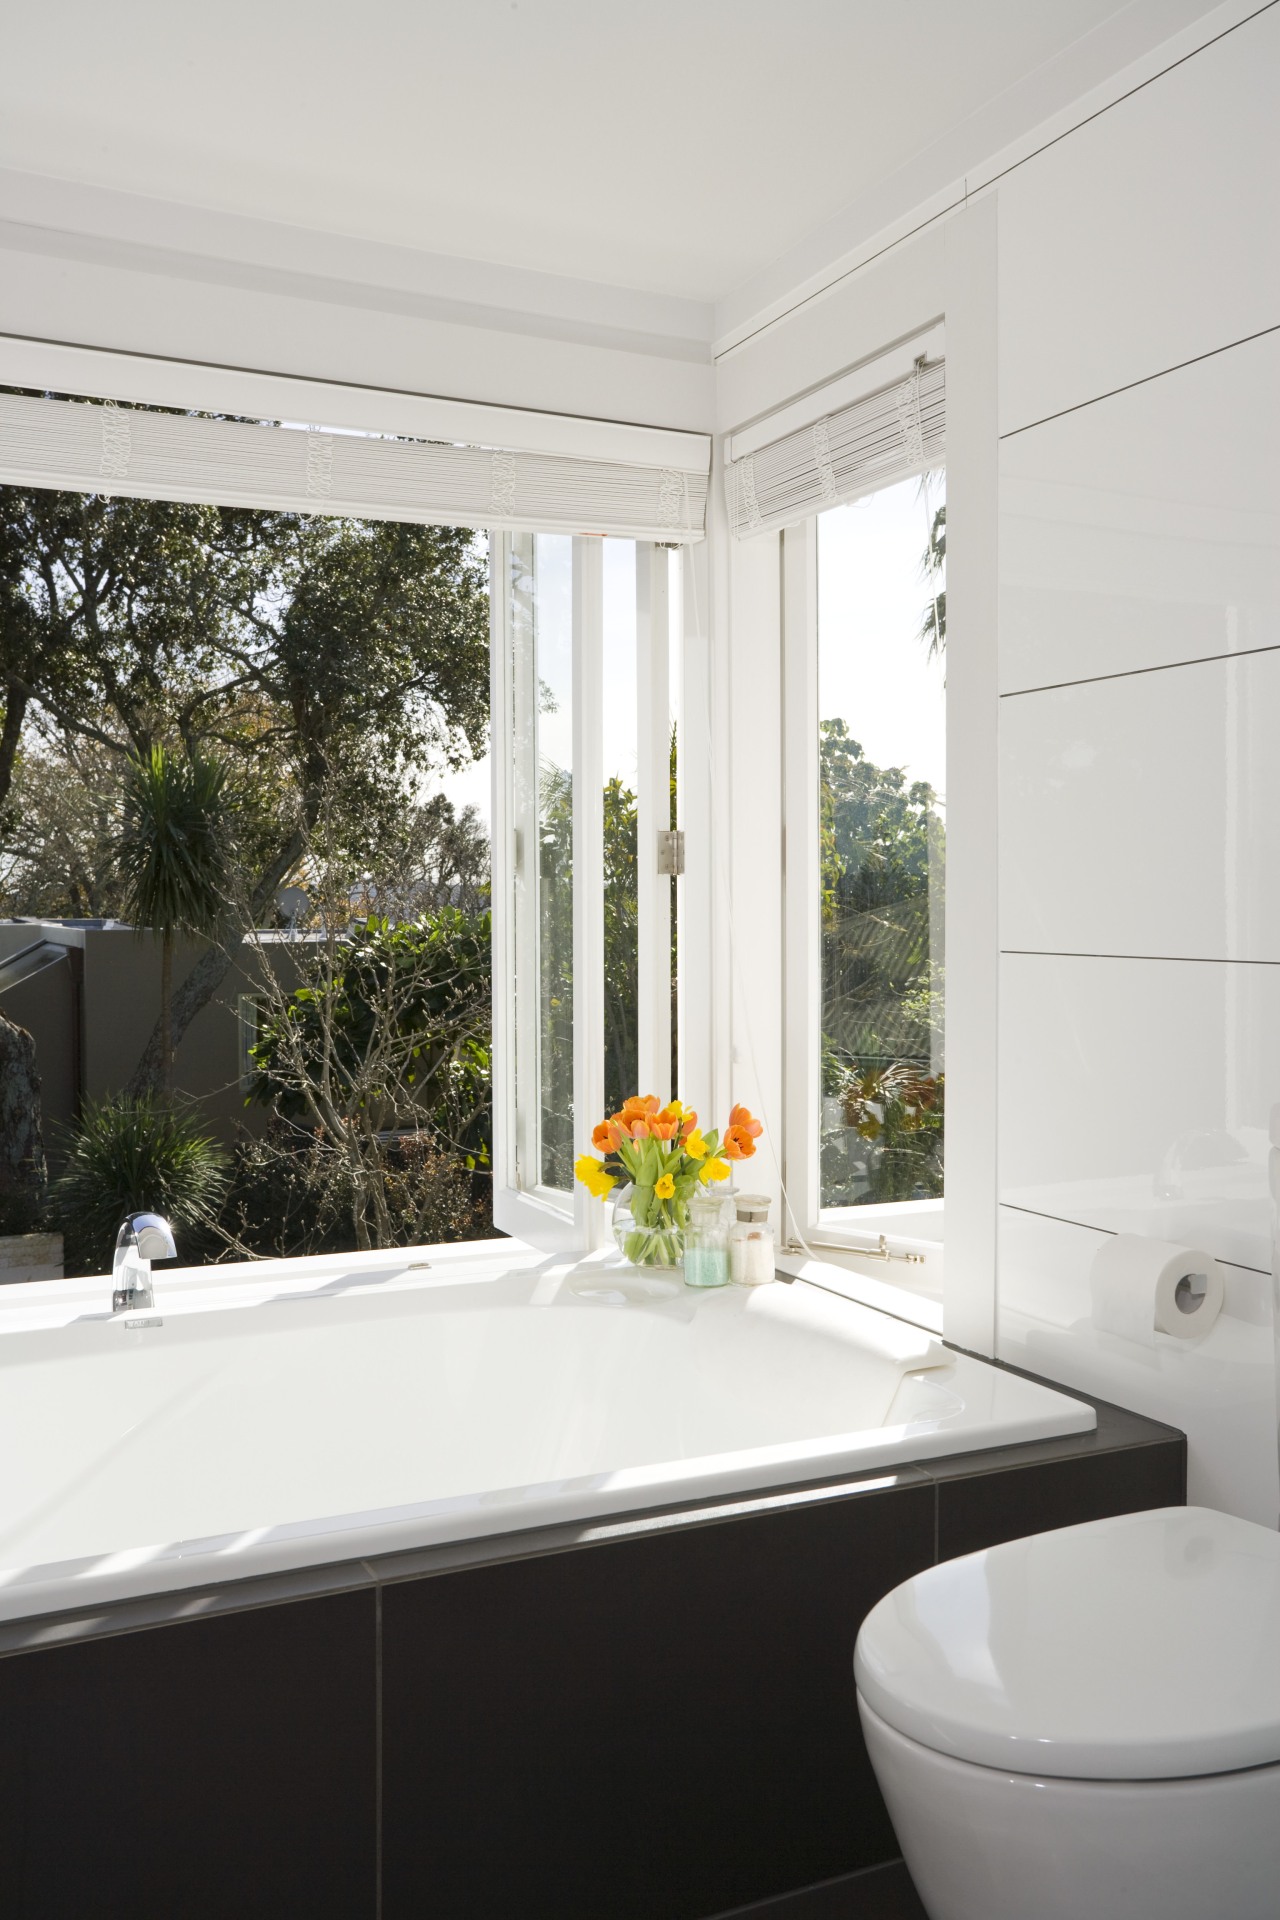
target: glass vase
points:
(646, 1229)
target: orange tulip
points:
(746, 1122)
(603, 1137)
(640, 1105)
(663, 1128)
(737, 1144)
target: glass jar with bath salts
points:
(706, 1241)
(751, 1247)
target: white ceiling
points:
(674, 146)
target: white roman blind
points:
(90, 446)
(869, 443)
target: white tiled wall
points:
(1145, 237)
(1140, 737)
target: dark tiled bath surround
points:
(650, 1719)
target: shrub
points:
(293, 1193)
(390, 1026)
(129, 1156)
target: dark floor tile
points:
(881, 1893)
(984, 1508)
(652, 1729)
(218, 1770)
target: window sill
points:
(853, 1283)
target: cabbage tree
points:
(174, 864)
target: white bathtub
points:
(292, 1413)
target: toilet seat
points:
(1144, 1647)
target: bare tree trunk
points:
(16, 702)
(22, 1166)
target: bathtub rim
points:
(1024, 1410)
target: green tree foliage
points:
(621, 946)
(555, 975)
(329, 662)
(392, 1025)
(173, 861)
(933, 626)
(621, 955)
(882, 852)
(23, 1172)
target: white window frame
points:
(543, 1216)
(891, 1241)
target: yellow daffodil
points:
(593, 1176)
(716, 1169)
(695, 1146)
(665, 1187)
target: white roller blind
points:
(97, 447)
(882, 437)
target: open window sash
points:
(896, 1244)
(554, 880)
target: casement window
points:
(853, 483)
(866, 924)
(584, 745)
(584, 679)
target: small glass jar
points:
(751, 1248)
(706, 1242)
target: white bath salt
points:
(751, 1242)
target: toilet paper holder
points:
(1188, 1295)
(1143, 1288)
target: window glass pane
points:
(675, 579)
(621, 772)
(553, 576)
(882, 771)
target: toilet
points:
(1086, 1722)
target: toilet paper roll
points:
(1142, 1287)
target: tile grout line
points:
(1163, 959)
(1133, 673)
(379, 1752)
(1145, 380)
(1086, 1226)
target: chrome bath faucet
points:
(144, 1237)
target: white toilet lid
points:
(1145, 1647)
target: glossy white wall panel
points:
(1220, 1389)
(1146, 236)
(1145, 528)
(1135, 1094)
(1141, 815)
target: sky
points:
(873, 670)
(470, 787)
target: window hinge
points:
(671, 851)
